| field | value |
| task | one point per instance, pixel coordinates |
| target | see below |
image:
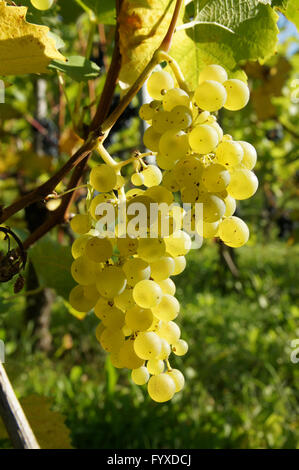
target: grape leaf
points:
(290, 8)
(48, 426)
(52, 263)
(77, 68)
(225, 33)
(24, 47)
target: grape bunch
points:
(125, 275)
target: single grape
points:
(127, 246)
(155, 366)
(42, 4)
(203, 139)
(137, 179)
(230, 206)
(169, 181)
(111, 281)
(164, 162)
(140, 376)
(243, 184)
(129, 356)
(103, 178)
(229, 153)
(151, 139)
(136, 270)
(124, 301)
(250, 156)
(179, 265)
(147, 294)
(103, 308)
(165, 350)
(147, 345)
(178, 244)
(161, 122)
(213, 208)
(237, 94)
(115, 320)
(78, 246)
(175, 97)
(139, 319)
(84, 270)
(169, 331)
(152, 176)
(112, 340)
(213, 72)
(159, 194)
(151, 249)
(158, 82)
(95, 205)
(233, 232)
(161, 388)
(162, 268)
(168, 309)
(79, 301)
(174, 144)
(98, 249)
(207, 229)
(81, 223)
(210, 95)
(167, 286)
(215, 177)
(180, 348)
(180, 117)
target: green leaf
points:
(77, 68)
(225, 33)
(290, 8)
(52, 263)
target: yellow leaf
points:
(142, 27)
(24, 47)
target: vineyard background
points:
(239, 311)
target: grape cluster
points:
(127, 279)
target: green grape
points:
(84, 270)
(169, 331)
(151, 139)
(180, 117)
(98, 249)
(218, 129)
(229, 153)
(179, 265)
(175, 97)
(169, 181)
(146, 112)
(155, 366)
(129, 356)
(168, 309)
(161, 122)
(115, 320)
(127, 246)
(151, 249)
(210, 95)
(189, 194)
(81, 223)
(78, 246)
(137, 179)
(103, 178)
(42, 4)
(139, 319)
(152, 176)
(167, 286)
(178, 244)
(140, 376)
(250, 156)
(103, 308)
(213, 72)
(174, 144)
(188, 171)
(79, 301)
(125, 300)
(147, 345)
(147, 294)
(233, 232)
(158, 82)
(164, 162)
(91, 293)
(178, 379)
(162, 268)
(165, 350)
(180, 348)
(230, 206)
(213, 208)
(243, 184)
(112, 340)
(136, 270)
(95, 204)
(159, 194)
(215, 177)
(203, 139)
(111, 281)
(161, 388)
(237, 94)
(207, 229)
(203, 117)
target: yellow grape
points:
(147, 345)
(103, 178)
(129, 356)
(111, 281)
(140, 376)
(213, 72)
(210, 95)
(79, 301)
(42, 4)
(155, 366)
(151, 249)
(84, 271)
(175, 97)
(158, 82)
(237, 94)
(174, 144)
(98, 249)
(81, 224)
(169, 331)
(139, 319)
(230, 206)
(178, 244)
(179, 265)
(180, 348)
(203, 139)
(161, 388)
(233, 232)
(178, 379)
(167, 309)
(167, 286)
(147, 294)
(151, 139)
(250, 157)
(229, 153)
(136, 270)
(162, 268)
(137, 179)
(152, 176)
(243, 184)
(125, 300)
(78, 246)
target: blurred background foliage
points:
(239, 309)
